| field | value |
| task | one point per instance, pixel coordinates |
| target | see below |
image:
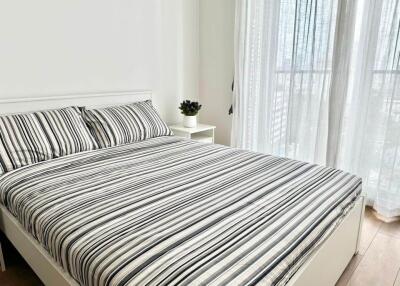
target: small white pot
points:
(190, 121)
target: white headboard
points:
(90, 100)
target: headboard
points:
(90, 100)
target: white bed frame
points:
(323, 268)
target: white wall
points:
(216, 64)
(180, 49)
(191, 49)
(178, 54)
(50, 47)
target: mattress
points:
(170, 211)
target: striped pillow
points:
(34, 137)
(125, 124)
(22, 142)
(66, 131)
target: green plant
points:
(190, 108)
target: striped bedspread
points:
(168, 211)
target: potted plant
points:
(190, 109)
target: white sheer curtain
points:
(305, 90)
(284, 60)
(370, 143)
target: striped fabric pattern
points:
(66, 131)
(169, 211)
(22, 142)
(118, 125)
(34, 137)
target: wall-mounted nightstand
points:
(202, 133)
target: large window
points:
(303, 72)
(319, 81)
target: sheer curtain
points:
(370, 143)
(317, 80)
(284, 61)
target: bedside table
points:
(201, 133)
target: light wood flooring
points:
(377, 264)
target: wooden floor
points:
(377, 264)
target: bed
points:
(168, 211)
